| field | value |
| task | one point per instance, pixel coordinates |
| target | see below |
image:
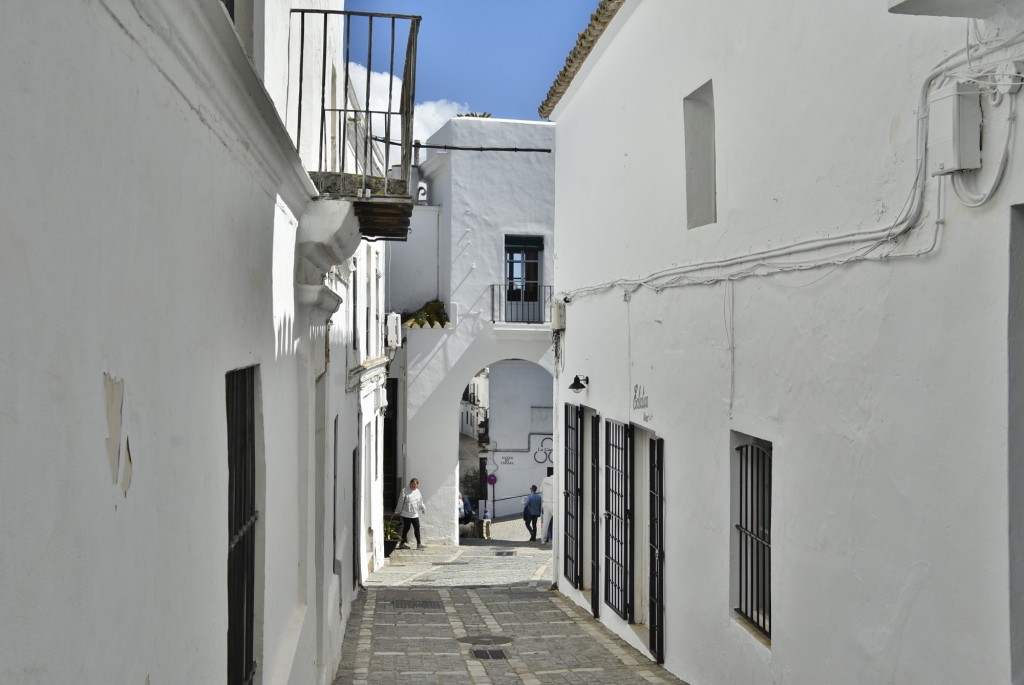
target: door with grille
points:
(242, 518)
(573, 524)
(595, 515)
(656, 512)
(618, 532)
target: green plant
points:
(391, 531)
(429, 314)
(469, 484)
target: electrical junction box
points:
(393, 331)
(954, 129)
(558, 315)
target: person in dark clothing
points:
(531, 512)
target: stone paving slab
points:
(490, 620)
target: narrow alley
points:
(481, 613)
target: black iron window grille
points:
(618, 532)
(242, 519)
(573, 524)
(754, 536)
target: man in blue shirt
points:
(531, 512)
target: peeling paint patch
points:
(114, 388)
(126, 481)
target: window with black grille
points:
(618, 532)
(573, 528)
(752, 551)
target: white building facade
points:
(792, 280)
(484, 211)
(193, 390)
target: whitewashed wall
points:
(882, 385)
(481, 198)
(151, 201)
(520, 403)
(520, 448)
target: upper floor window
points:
(523, 279)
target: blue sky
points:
(497, 56)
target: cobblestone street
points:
(479, 614)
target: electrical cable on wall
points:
(877, 244)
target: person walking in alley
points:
(547, 497)
(531, 512)
(410, 506)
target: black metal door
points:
(595, 515)
(573, 528)
(656, 592)
(356, 518)
(242, 517)
(618, 531)
(392, 487)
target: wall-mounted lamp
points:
(579, 384)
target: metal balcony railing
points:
(355, 76)
(529, 303)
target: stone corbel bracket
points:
(317, 298)
(328, 235)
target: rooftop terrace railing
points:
(355, 74)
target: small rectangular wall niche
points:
(699, 131)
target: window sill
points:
(749, 627)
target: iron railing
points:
(514, 304)
(754, 529)
(364, 124)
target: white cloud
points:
(427, 116)
(432, 115)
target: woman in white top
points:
(410, 506)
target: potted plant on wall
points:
(391, 536)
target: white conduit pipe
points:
(879, 236)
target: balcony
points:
(354, 74)
(512, 304)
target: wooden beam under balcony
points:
(382, 206)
